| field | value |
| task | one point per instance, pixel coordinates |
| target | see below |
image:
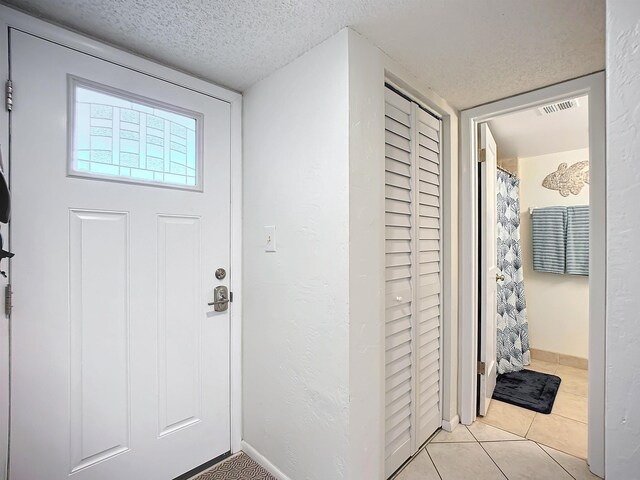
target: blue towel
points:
(578, 240)
(549, 226)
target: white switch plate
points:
(270, 238)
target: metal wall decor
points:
(568, 180)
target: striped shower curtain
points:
(513, 330)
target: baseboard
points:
(560, 359)
(262, 461)
(449, 425)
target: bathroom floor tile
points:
(525, 460)
(572, 371)
(577, 467)
(463, 461)
(508, 417)
(542, 366)
(571, 406)
(420, 468)
(574, 384)
(459, 434)
(484, 432)
(564, 434)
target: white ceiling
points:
(468, 51)
(528, 133)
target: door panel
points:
(428, 320)
(179, 300)
(488, 268)
(120, 369)
(413, 280)
(99, 324)
(399, 287)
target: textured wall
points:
(368, 66)
(622, 440)
(296, 316)
(366, 259)
(557, 305)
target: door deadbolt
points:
(220, 299)
(221, 273)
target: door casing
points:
(10, 18)
(592, 85)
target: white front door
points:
(488, 267)
(121, 213)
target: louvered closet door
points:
(399, 286)
(412, 291)
(429, 278)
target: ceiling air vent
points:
(558, 106)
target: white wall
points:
(369, 67)
(366, 259)
(296, 310)
(313, 326)
(622, 438)
(557, 305)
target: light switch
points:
(270, 238)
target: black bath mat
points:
(528, 389)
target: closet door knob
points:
(500, 277)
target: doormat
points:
(238, 467)
(528, 389)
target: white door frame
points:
(594, 86)
(10, 18)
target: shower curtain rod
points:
(507, 171)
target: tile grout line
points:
(494, 462)
(522, 439)
(530, 425)
(468, 430)
(550, 456)
(454, 441)
(432, 462)
(568, 418)
(502, 430)
(408, 462)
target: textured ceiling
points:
(527, 133)
(468, 51)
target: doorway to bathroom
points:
(540, 210)
(533, 298)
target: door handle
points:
(500, 277)
(219, 302)
(221, 299)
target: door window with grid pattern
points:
(128, 139)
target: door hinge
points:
(482, 155)
(482, 368)
(8, 95)
(231, 296)
(8, 300)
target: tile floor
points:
(484, 452)
(565, 428)
(509, 443)
(514, 443)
